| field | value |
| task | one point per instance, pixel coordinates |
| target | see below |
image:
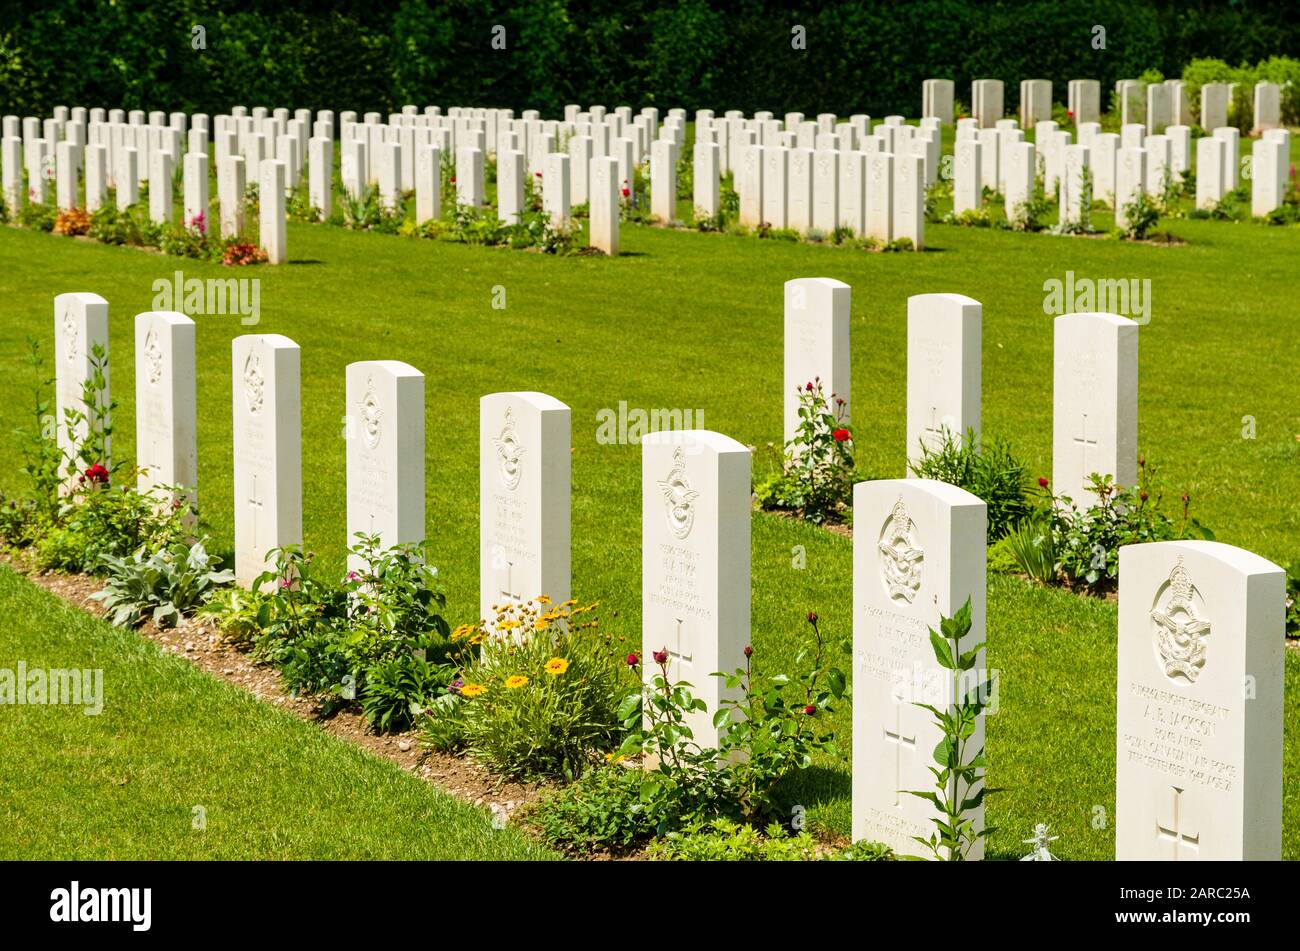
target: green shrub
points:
(601, 810)
(816, 479)
(100, 521)
(986, 468)
(1140, 215)
(171, 582)
(398, 689)
(38, 215)
(722, 840)
(1087, 541)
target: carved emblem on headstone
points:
(254, 384)
(372, 416)
(900, 556)
(153, 357)
(1179, 627)
(679, 497)
(509, 452)
(69, 335)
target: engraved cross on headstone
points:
(680, 643)
(258, 505)
(1083, 442)
(1173, 831)
(935, 429)
(899, 741)
(507, 589)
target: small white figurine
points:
(1039, 842)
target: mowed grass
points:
(691, 321)
(124, 784)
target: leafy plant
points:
(776, 727)
(540, 689)
(600, 810)
(399, 688)
(959, 771)
(987, 469)
(1087, 542)
(1032, 545)
(1140, 216)
(171, 583)
(816, 480)
(99, 520)
(1293, 598)
(722, 840)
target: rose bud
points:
(810, 709)
(661, 656)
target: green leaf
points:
(942, 653)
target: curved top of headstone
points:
(394, 368)
(80, 297)
(942, 300)
(1114, 320)
(693, 438)
(275, 341)
(950, 495)
(166, 316)
(541, 401)
(1239, 559)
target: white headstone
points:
(826, 190)
(196, 191)
(880, 196)
(80, 325)
(1199, 709)
(385, 452)
(853, 191)
(272, 235)
(1075, 191)
(695, 546)
(663, 181)
(943, 369)
(1130, 182)
(1268, 168)
(918, 555)
(604, 207)
(230, 195)
(165, 404)
(1211, 157)
(776, 173)
(909, 199)
(555, 188)
(1094, 402)
(817, 313)
(706, 181)
(800, 206)
(267, 405)
(320, 175)
(968, 188)
(469, 176)
(524, 500)
(510, 186)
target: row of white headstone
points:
(822, 177)
(1154, 105)
(1095, 377)
(1199, 718)
(1121, 166)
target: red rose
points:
(632, 660)
(810, 709)
(841, 435)
(661, 656)
(1042, 482)
(97, 473)
(808, 387)
(626, 193)
(812, 617)
(749, 651)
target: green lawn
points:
(124, 784)
(692, 321)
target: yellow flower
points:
(508, 625)
(614, 758)
(515, 682)
(472, 690)
(463, 631)
(541, 625)
(543, 599)
(556, 666)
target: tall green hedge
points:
(380, 54)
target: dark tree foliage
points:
(378, 55)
